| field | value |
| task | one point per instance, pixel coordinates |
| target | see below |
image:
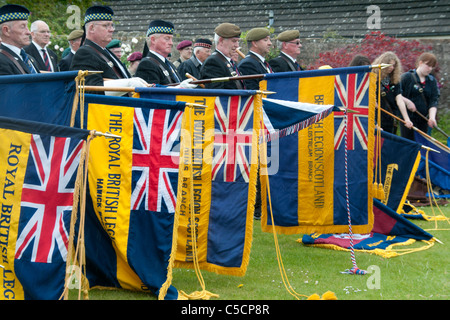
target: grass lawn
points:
(423, 275)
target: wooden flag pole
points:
(419, 131)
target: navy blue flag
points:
(400, 159)
(45, 97)
(439, 163)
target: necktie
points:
(235, 68)
(27, 61)
(269, 69)
(46, 61)
(171, 70)
(297, 66)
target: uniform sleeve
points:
(250, 68)
(84, 60)
(275, 64)
(212, 69)
(149, 72)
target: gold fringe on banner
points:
(76, 260)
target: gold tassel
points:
(314, 296)
(329, 296)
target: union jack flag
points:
(351, 92)
(155, 159)
(47, 197)
(232, 138)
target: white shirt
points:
(14, 49)
(158, 55)
(228, 58)
(263, 60)
(292, 59)
(39, 48)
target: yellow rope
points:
(80, 84)
(203, 294)
(79, 200)
(432, 198)
(327, 295)
(378, 191)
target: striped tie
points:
(27, 61)
(172, 71)
(46, 61)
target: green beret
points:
(288, 35)
(257, 34)
(228, 30)
(75, 34)
(115, 43)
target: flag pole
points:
(418, 130)
(436, 126)
(223, 79)
(106, 135)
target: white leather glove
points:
(186, 84)
(128, 83)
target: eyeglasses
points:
(295, 42)
(107, 25)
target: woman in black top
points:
(391, 92)
(421, 93)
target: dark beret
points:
(228, 30)
(288, 35)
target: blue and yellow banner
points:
(318, 169)
(217, 183)
(38, 168)
(132, 193)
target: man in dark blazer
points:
(258, 40)
(202, 50)
(155, 68)
(74, 40)
(289, 45)
(46, 59)
(219, 64)
(15, 35)
(94, 56)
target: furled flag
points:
(132, 193)
(217, 183)
(400, 159)
(41, 97)
(39, 165)
(315, 174)
(390, 230)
